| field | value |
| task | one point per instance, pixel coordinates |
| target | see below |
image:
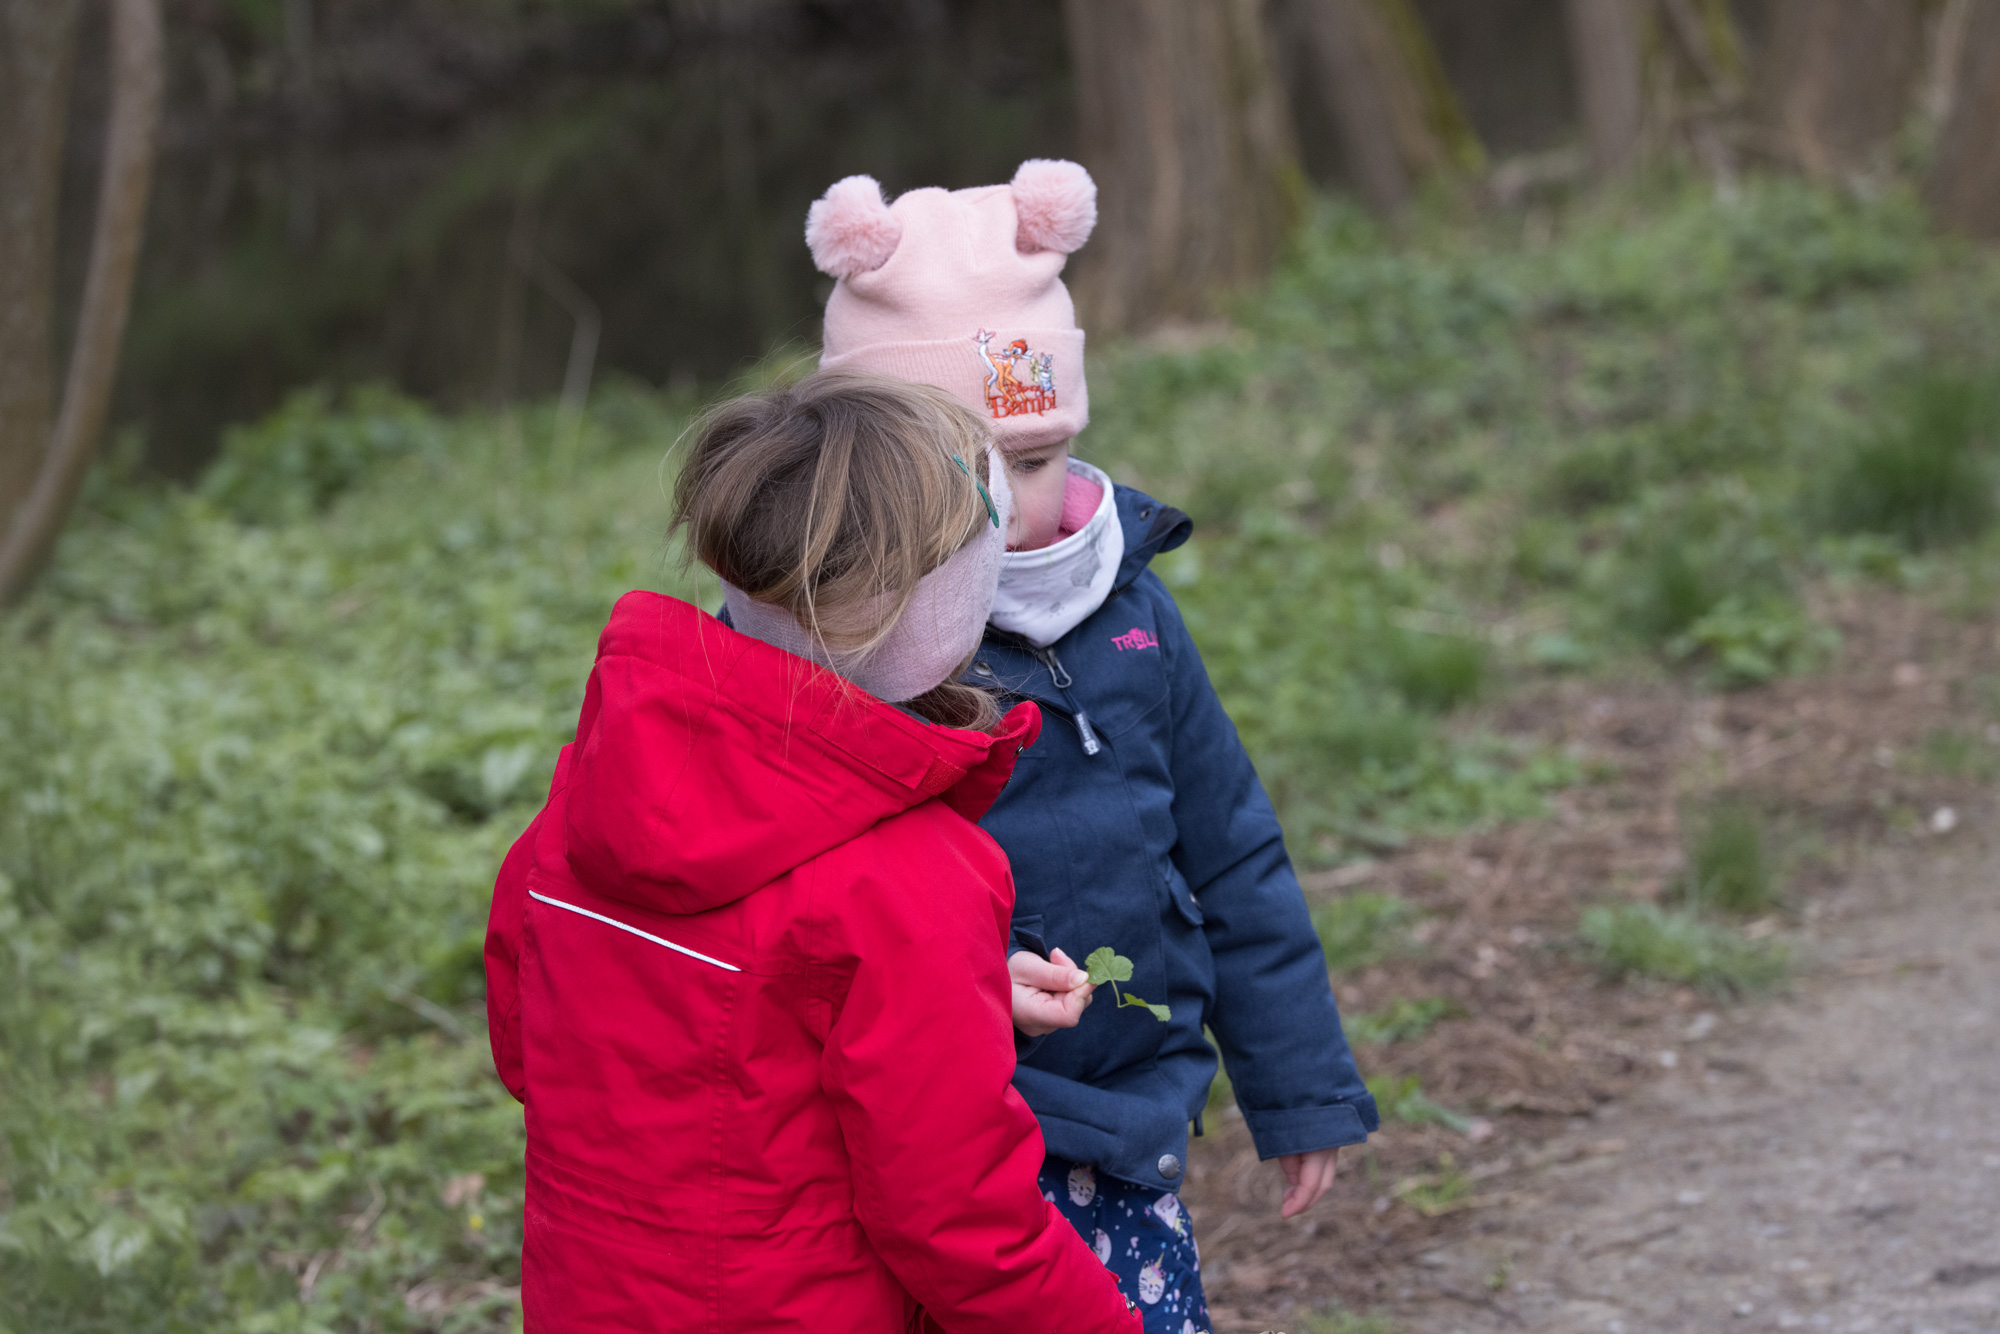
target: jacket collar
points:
(1150, 528)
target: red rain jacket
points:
(747, 972)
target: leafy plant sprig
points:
(1108, 965)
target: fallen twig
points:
(1474, 1299)
(1632, 1243)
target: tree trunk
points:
(1372, 67)
(1182, 123)
(1964, 184)
(37, 42)
(1837, 79)
(1604, 38)
(137, 83)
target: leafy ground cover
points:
(263, 742)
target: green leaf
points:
(1160, 1012)
(1107, 965)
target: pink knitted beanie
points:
(962, 289)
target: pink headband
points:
(937, 631)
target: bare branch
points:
(137, 80)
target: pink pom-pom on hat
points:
(963, 289)
(851, 229)
(1056, 203)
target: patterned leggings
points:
(1145, 1239)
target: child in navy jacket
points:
(1138, 821)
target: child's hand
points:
(1307, 1175)
(1049, 993)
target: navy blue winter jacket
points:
(1138, 822)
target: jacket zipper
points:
(1063, 681)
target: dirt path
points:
(1829, 1161)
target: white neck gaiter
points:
(937, 631)
(1045, 594)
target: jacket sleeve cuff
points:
(1309, 1129)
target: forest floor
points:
(1647, 1157)
(1827, 1163)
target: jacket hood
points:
(1150, 528)
(708, 764)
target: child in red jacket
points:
(746, 968)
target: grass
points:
(1729, 865)
(1436, 672)
(1437, 1193)
(1960, 754)
(1645, 940)
(1925, 475)
(1361, 928)
(1406, 1020)
(263, 742)
(1400, 1098)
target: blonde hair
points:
(830, 498)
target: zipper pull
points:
(1091, 745)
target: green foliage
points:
(1781, 238)
(1221, 1091)
(1160, 1012)
(1437, 1193)
(1405, 447)
(1358, 929)
(1960, 754)
(263, 744)
(1401, 1098)
(256, 775)
(1748, 641)
(1437, 672)
(1601, 470)
(1406, 1020)
(1728, 865)
(1646, 940)
(306, 455)
(1339, 705)
(1925, 474)
(1107, 965)
(1686, 554)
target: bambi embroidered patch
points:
(1134, 638)
(1019, 380)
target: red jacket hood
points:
(708, 764)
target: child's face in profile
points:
(1038, 477)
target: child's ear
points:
(850, 229)
(1056, 205)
